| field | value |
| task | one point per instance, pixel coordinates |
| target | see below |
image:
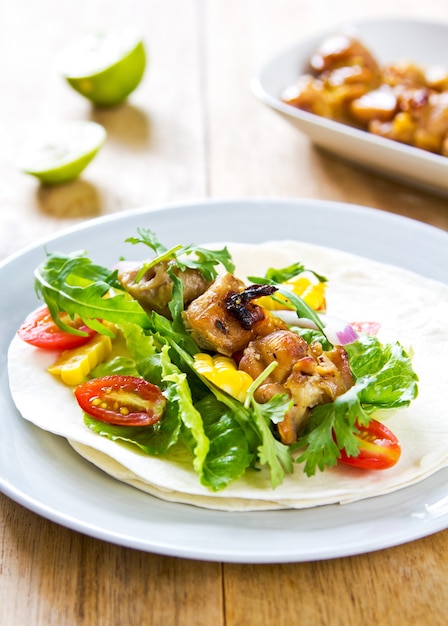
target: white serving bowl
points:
(390, 40)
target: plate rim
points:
(357, 208)
(223, 555)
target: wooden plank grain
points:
(154, 152)
(405, 585)
(57, 577)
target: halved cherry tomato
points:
(40, 330)
(379, 448)
(121, 400)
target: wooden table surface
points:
(192, 130)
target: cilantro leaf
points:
(272, 452)
(384, 379)
(330, 428)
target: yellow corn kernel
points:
(223, 372)
(74, 365)
(312, 293)
(305, 285)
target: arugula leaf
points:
(203, 260)
(297, 303)
(176, 336)
(384, 379)
(176, 304)
(73, 284)
(285, 273)
(149, 238)
(206, 260)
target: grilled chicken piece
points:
(306, 373)
(342, 70)
(283, 346)
(210, 323)
(342, 51)
(432, 131)
(379, 104)
(153, 291)
(400, 101)
(421, 122)
(331, 94)
(224, 319)
(404, 74)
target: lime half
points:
(105, 67)
(59, 153)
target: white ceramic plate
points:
(41, 471)
(390, 40)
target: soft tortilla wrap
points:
(411, 309)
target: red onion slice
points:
(337, 331)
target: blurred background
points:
(192, 129)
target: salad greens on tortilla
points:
(224, 437)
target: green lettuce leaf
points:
(229, 454)
(384, 379)
(255, 421)
(154, 440)
(151, 354)
(385, 373)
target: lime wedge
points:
(105, 67)
(59, 153)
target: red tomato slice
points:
(40, 330)
(121, 400)
(379, 448)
